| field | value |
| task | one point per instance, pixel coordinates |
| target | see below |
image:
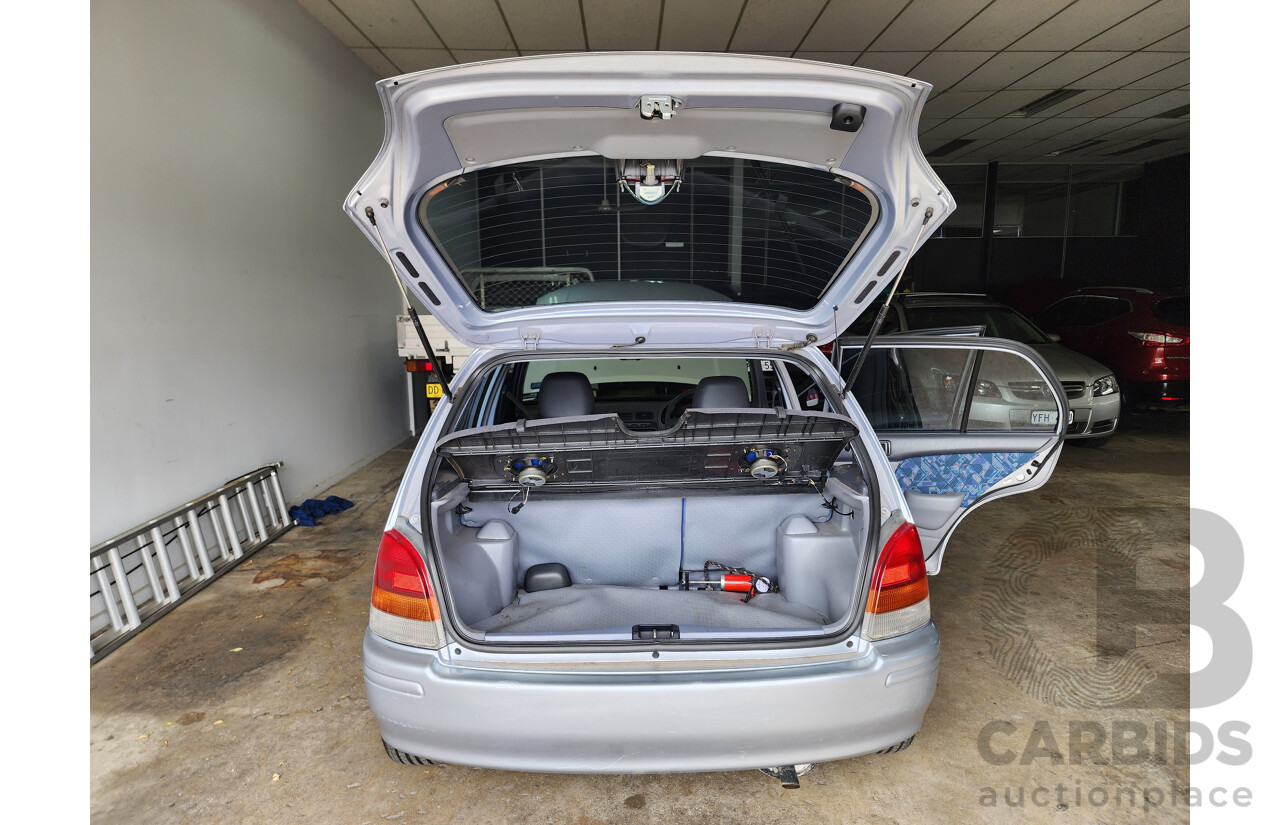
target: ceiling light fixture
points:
(952, 146)
(1079, 147)
(1047, 101)
(1146, 144)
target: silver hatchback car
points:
(650, 527)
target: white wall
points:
(237, 315)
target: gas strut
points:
(884, 310)
(413, 313)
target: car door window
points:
(1099, 310)
(1061, 314)
(953, 389)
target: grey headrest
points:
(721, 391)
(564, 394)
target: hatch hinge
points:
(530, 338)
(660, 106)
(763, 336)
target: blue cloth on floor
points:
(301, 518)
(309, 512)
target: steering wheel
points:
(673, 409)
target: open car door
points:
(964, 421)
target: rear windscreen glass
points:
(1173, 311)
(728, 229)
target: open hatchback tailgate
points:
(851, 129)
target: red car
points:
(1143, 335)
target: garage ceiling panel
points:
(1003, 22)
(1049, 127)
(699, 26)
(924, 24)
(945, 69)
(545, 24)
(376, 60)
(1079, 22)
(620, 25)
(1127, 60)
(950, 104)
(1128, 70)
(775, 24)
(1003, 103)
(1138, 127)
(901, 63)
(336, 22)
(1158, 104)
(994, 150)
(416, 60)
(1174, 77)
(1001, 127)
(1064, 71)
(390, 23)
(1151, 25)
(475, 25)
(956, 127)
(1105, 103)
(994, 74)
(1094, 128)
(1179, 41)
(1179, 129)
(849, 24)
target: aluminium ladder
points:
(143, 573)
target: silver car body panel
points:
(630, 713)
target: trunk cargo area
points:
(624, 552)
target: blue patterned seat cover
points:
(969, 473)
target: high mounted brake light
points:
(403, 607)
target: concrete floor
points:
(246, 704)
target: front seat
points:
(721, 391)
(564, 394)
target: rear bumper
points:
(651, 722)
(1158, 392)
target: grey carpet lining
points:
(604, 607)
(640, 542)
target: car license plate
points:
(1045, 417)
(435, 390)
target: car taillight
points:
(1157, 339)
(899, 599)
(403, 608)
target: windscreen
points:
(726, 229)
